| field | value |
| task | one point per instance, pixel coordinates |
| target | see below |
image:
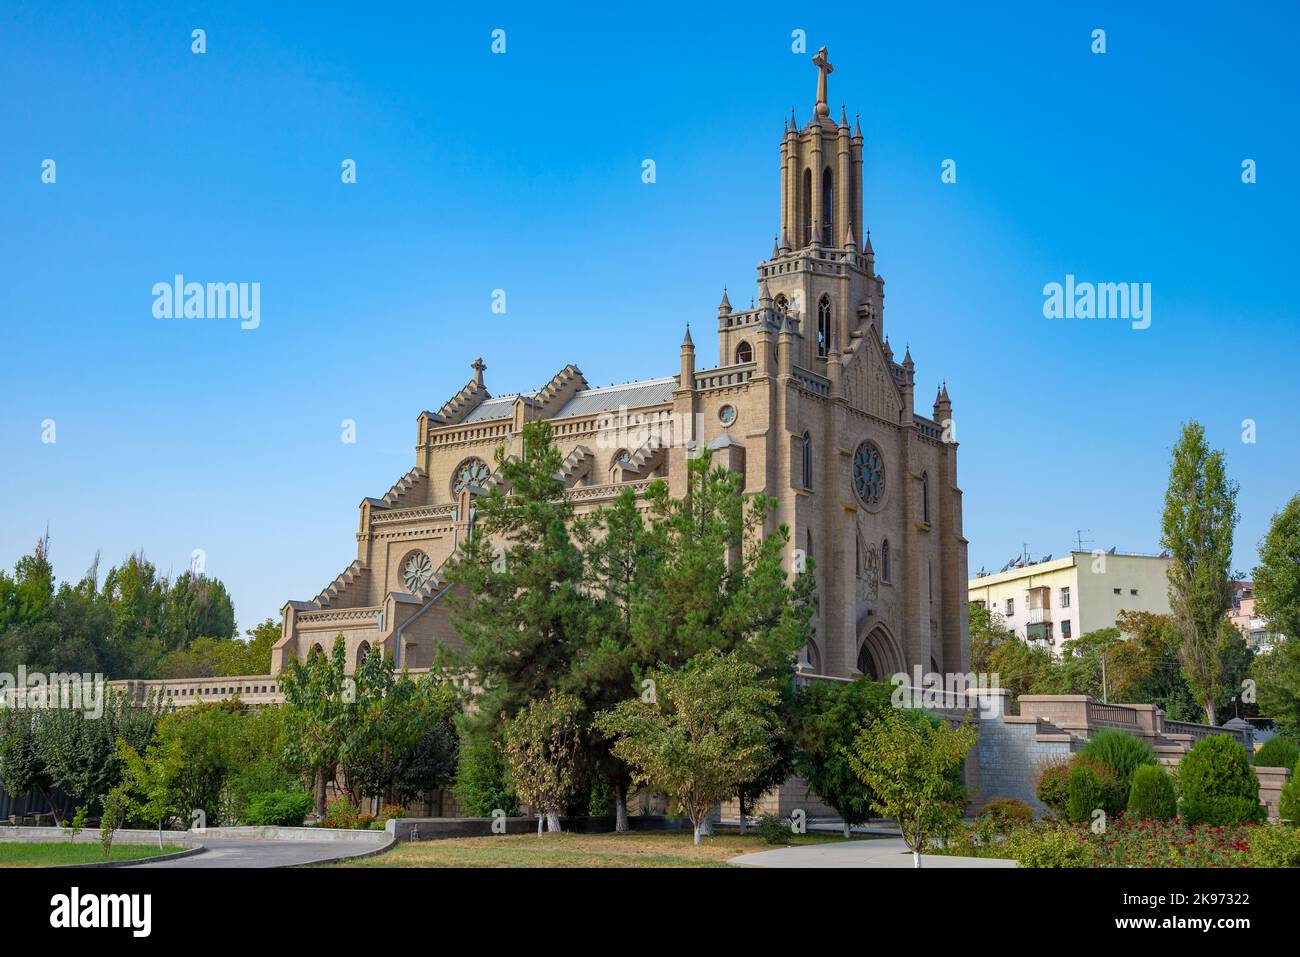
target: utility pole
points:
(1105, 698)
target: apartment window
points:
(1065, 630)
(1119, 591)
(1065, 597)
(1011, 607)
(1132, 591)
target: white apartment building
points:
(1057, 600)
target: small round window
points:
(868, 474)
(416, 570)
(727, 414)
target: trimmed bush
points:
(1289, 806)
(1218, 784)
(1277, 752)
(278, 808)
(1221, 811)
(1054, 787)
(1086, 793)
(1151, 796)
(1049, 847)
(1008, 812)
(1119, 752)
(1275, 846)
(1114, 791)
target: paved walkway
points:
(884, 852)
(228, 852)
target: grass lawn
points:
(54, 853)
(638, 849)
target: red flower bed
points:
(1138, 843)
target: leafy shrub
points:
(1050, 847)
(1221, 811)
(1275, 846)
(1008, 812)
(390, 812)
(1114, 791)
(1053, 786)
(278, 808)
(1085, 788)
(1289, 807)
(341, 813)
(1219, 787)
(1278, 752)
(1119, 752)
(773, 829)
(1151, 796)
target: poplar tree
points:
(1200, 515)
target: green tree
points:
(1022, 668)
(521, 611)
(194, 606)
(482, 778)
(705, 732)
(911, 761)
(79, 750)
(1146, 667)
(22, 765)
(150, 788)
(1200, 515)
(401, 741)
(318, 699)
(1277, 679)
(829, 716)
(1277, 577)
(988, 630)
(542, 742)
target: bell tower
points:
(821, 272)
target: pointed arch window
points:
(782, 304)
(807, 207)
(617, 464)
(885, 574)
(807, 461)
(925, 498)
(744, 353)
(828, 207)
(824, 326)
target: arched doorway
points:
(880, 655)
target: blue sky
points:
(522, 172)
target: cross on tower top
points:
(478, 366)
(824, 69)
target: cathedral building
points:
(807, 402)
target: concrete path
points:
(884, 852)
(227, 852)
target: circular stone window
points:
(727, 414)
(470, 472)
(869, 474)
(416, 570)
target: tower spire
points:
(824, 69)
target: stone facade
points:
(807, 402)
